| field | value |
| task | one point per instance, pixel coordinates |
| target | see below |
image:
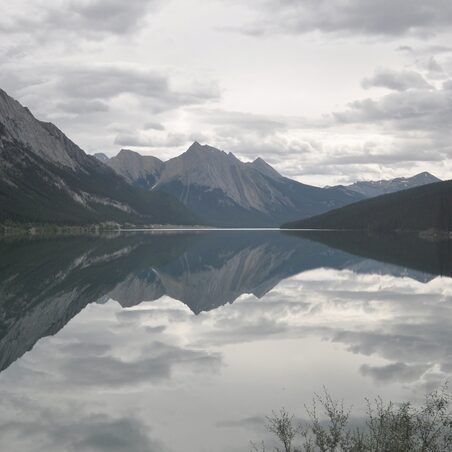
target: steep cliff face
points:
(43, 139)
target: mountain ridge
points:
(48, 179)
(225, 191)
(374, 188)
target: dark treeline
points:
(418, 209)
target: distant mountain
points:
(416, 209)
(137, 169)
(370, 189)
(46, 178)
(101, 157)
(225, 191)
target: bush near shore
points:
(387, 427)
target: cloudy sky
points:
(326, 91)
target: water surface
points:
(186, 341)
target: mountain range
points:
(224, 191)
(45, 178)
(371, 189)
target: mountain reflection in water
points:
(354, 311)
(46, 282)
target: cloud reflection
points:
(156, 376)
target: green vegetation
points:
(387, 427)
(419, 209)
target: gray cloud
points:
(396, 80)
(110, 371)
(112, 16)
(405, 48)
(244, 121)
(84, 349)
(99, 433)
(86, 19)
(256, 422)
(153, 126)
(76, 432)
(100, 105)
(365, 17)
(399, 371)
(368, 156)
(111, 81)
(407, 110)
(82, 106)
(87, 88)
(139, 140)
(435, 70)
(155, 89)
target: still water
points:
(186, 341)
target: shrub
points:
(386, 428)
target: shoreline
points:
(33, 230)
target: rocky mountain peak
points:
(263, 167)
(136, 167)
(203, 150)
(385, 186)
(425, 177)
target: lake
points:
(185, 341)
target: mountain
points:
(46, 178)
(101, 157)
(39, 296)
(416, 209)
(225, 191)
(137, 169)
(370, 189)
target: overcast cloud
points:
(326, 91)
(370, 17)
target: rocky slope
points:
(225, 191)
(141, 170)
(46, 178)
